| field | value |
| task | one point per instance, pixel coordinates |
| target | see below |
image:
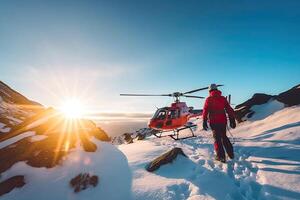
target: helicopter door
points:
(170, 117)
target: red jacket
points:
(215, 107)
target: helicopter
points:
(176, 117)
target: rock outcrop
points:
(11, 183)
(83, 181)
(128, 138)
(290, 97)
(164, 159)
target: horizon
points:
(93, 51)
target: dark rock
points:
(11, 183)
(11, 96)
(244, 109)
(165, 158)
(128, 138)
(83, 181)
(290, 97)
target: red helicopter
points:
(176, 117)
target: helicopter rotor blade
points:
(204, 88)
(190, 96)
(146, 95)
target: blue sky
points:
(51, 50)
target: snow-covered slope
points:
(42, 155)
(266, 164)
(14, 108)
(45, 155)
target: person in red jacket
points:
(214, 111)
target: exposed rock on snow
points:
(244, 109)
(62, 136)
(128, 138)
(250, 108)
(14, 107)
(83, 181)
(166, 158)
(11, 183)
(11, 96)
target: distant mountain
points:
(44, 155)
(14, 108)
(262, 105)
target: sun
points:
(72, 108)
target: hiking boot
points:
(223, 160)
(217, 158)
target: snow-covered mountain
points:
(262, 105)
(44, 155)
(14, 108)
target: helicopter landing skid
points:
(175, 135)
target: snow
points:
(241, 108)
(264, 110)
(39, 122)
(108, 163)
(16, 138)
(2, 125)
(5, 130)
(38, 138)
(266, 164)
(13, 119)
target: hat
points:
(212, 86)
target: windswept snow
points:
(16, 138)
(38, 138)
(266, 164)
(38, 122)
(264, 110)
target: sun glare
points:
(72, 108)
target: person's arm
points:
(205, 115)
(229, 110)
(230, 113)
(205, 110)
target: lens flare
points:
(72, 108)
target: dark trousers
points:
(221, 141)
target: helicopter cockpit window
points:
(161, 114)
(173, 114)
